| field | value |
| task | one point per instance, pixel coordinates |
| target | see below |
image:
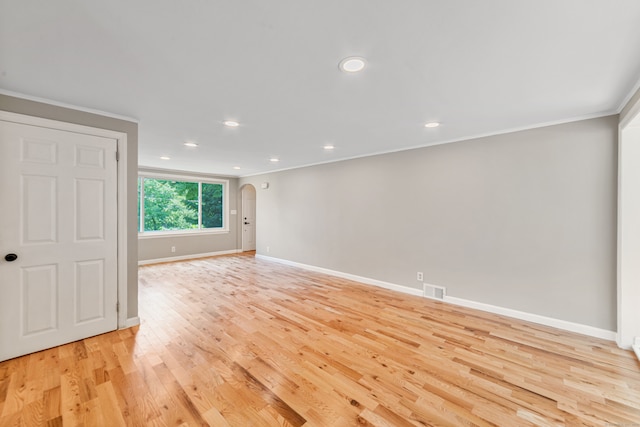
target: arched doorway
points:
(248, 193)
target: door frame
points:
(628, 286)
(121, 139)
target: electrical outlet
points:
(420, 276)
(267, 249)
(173, 248)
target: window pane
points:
(211, 205)
(170, 205)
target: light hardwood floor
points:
(240, 341)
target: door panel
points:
(38, 305)
(58, 213)
(90, 157)
(39, 209)
(248, 218)
(89, 286)
(38, 151)
(89, 209)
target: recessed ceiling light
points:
(231, 123)
(237, 168)
(190, 144)
(274, 160)
(352, 64)
(165, 158)
(432, 125)
(329, 147)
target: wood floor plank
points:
(237, 341)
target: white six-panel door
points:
(58, 215)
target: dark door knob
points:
(10, 257)
(246, 223)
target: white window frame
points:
(190, 232)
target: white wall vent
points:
(433, 291)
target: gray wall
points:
(47, 111)
(160, 247)
(525, 220)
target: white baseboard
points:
(131, 322)
(365, 280)
(184, 257)
(636, 346)
(535, 318)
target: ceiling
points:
(183, 67)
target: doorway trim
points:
(121, 139)
(628, 282)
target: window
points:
(172, 205)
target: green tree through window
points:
(211, 205)
(180, 205)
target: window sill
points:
(165, 234)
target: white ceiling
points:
(181, 67)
